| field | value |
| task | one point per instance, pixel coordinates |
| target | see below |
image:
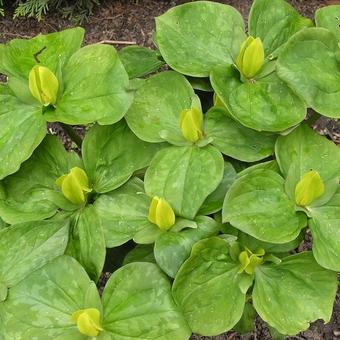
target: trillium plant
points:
(198, 178)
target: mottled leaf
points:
(139, 61)
(214, 202)
(329, 17)
(22, 128)
(304, 150)
(184, 176)
(51, 50)
(95, 88)
(235, 140)
(140, 253)
(154, 115)
(31, 193)
(206, 287)
(173, 248)
(265, 104)
(282, 19)
(87, 241)
(41, 306)
(309, 64)
(26, 247)
(123, 213)
(324, 224)
(196, 36)
(112, 154)
(294, 293)
(143, 309)
(257, 204)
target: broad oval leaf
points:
(324, 224)
(328, 17)
(301, 151)
(235, 140)
(282, 19)
(41, 306)
(207, 288)
(140, 253)
(309, 64)
(87, 242)
(184, 176)
(214, 202)
(124, 212)
(95, 88)
(257, 204)
(265, 104)
(143, 309)
(281, 291)
(31, 193)
(173, 248)
(154, 115)
(189, 36)
(26, 247)
(139, 61)
(22, 128)
(51, 50)
(111, 155)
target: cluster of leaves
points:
(77, 10)
(215, 203)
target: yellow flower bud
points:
(249, 260)
(74, 185)
(43, 85)
(191, 121)
(251, 57)
(161, 213)
(88, 321)
(309, 188)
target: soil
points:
(132, 22)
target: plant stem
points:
(72, 134)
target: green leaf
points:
(257, 204)
(214, 202)
(324, 224)
(139, 61)
(26, 247)
(51, 50)
(154, 115)
(22, 128)
(140, 253)
(189, 36)
(294, 293)
(123, 213)
(328, 17)
(235, 140)
(269, 165)
(184, 176)
(301, 151)
(143, 309)
(265, 104)
(272, 248)
(206, 287)
(31, 193)
(247, 321)
(112, 154)
(87, 241)
(173, 248)
(282, 19)
(309, 64)
(95, 88)
(41, 306)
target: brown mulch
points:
(133, 22)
